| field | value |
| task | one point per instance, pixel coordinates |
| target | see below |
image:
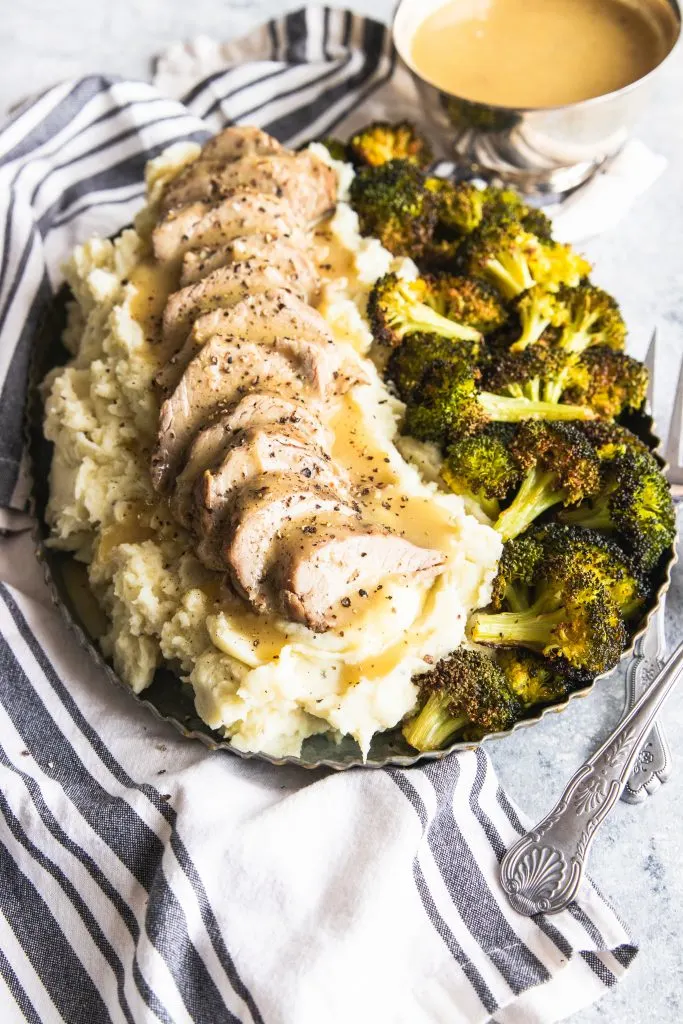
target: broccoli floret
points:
(556, 266)
(560, 467)
(532, 678)
(408, 362)
(609, 382)
(634, 502)
(537, 373)
(517, 570)
(610, 439)
(337, 149)
(567, 546)
(451, 406)
(501, 253)
(381, 142)
(469, 302)
(504, 204)
(573, 620)
(397, 307)
(481, 469)
(593, 318)
(460, 206)
(393, 205)
(465, 692)
(538, 309)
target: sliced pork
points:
(228, 285)
(198, 225)
(261, 511)
(319, 565)
(278, 251)
(307, 184)
(239, 141)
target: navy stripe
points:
(126, 914)
(152, 795)
(471, 973)
(470, 891)
(84, 912)
(17, 989)
(46, 947)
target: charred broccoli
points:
(634, 503)
(450, 405)
(537, 373)
(381, 142)
(517, 571)
(532, 678)
(460, 206)
(538, 309)
(393, 205)
(560, 467)
(593, 318)
(610, 439)
(407, 363)
(481, 469)
(465, 692)
(573, 619)
(609, 382)
(469, 302)
(397, 307)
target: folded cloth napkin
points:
(144, 878)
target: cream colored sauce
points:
(541, 53)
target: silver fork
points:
(653, 765)
(543, 871)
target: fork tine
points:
(672, 451)
(650, 362)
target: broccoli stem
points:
(537, 494)
(596, 517)
(510, 272)
(505, 409)
(433, 726)
(526, 628)
(421, 317)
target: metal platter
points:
(168, 697)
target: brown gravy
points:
(541, 53)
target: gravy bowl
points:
(537, 150)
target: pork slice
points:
(256, 452)
(211, 442)
(199, 262)
(238, 141)
(308, 184)
(228, 285)
(200, 224)
(223, 371)
(260, 512)
(268, 317)
(318, 567)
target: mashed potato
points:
(265, 683)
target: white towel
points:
(142, 877)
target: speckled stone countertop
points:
(636, 860)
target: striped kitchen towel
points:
(143, 878)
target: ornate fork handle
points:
(543, 871)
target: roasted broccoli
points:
(407, 363)
(465, 692)
(460, 206)
(481, 469)
(593, 318)
(537, 373)
(397, 307)
(517, 570)
(501, 253)
(532, 678)
(564, 547)
(573, 619)
(450, 405)
(469, 302)
(393, 205)
(557, 265)
(560, 467)
(634, 503)
(610, 439)
(609, 382)
(381, 142)
(503, 204)
(538, 309)
(337, 149)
